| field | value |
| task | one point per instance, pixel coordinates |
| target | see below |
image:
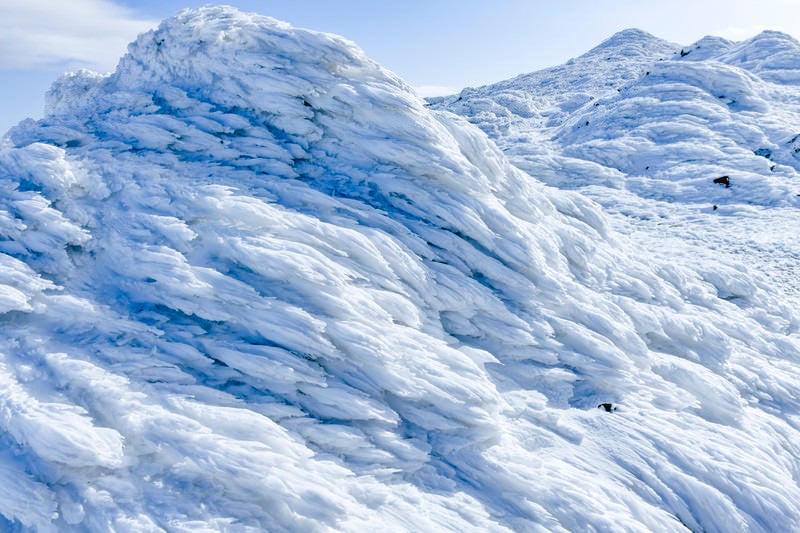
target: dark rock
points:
(723, 180)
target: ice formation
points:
(250, 281)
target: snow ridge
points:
(250, 282)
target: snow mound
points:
(771, 55)
(250, 282)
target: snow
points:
(251, 281)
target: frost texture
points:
(251, 282)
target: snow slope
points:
(644, 128)
(250, 282)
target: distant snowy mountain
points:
(656, 119)
(251, 282)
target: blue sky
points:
(430, 43)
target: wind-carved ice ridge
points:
(250, 282)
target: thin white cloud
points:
(38, 34)
(426, 91)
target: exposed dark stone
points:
(723, 180)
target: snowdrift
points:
(250, 282)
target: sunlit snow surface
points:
(251, 282)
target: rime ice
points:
(250, 281)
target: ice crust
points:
(251, 282)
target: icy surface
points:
(250, 281)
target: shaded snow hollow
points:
(251, 282)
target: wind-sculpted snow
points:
(251, 282)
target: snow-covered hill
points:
(250, 281)
(659, 120)
(696, 145)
